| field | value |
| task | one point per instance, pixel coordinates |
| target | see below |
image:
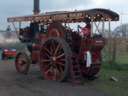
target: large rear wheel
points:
(55, 57)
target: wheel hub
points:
(53, 59)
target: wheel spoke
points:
(59, 63)
(45, 66)
(52, 50)
(61, 69)
(53, 45)
(60, 56)
(56, 73)
(23, 67)
(47, 50)
(45, 60)
(61, 60)
(57, 48)
(46, 54)
(21, 58)
(48, 70)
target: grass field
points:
(123, 59)
(118, 69)
(119, 88)
(110, 87)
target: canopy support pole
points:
(110, 41)
(91, 28)
(97, 27)
(103, 27)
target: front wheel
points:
(22, 63)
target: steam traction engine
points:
(61, 52)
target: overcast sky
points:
(24, 7)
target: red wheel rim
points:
(52, 60)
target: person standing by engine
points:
(86, 31)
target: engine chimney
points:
(36, 9)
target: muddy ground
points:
(14, 84)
